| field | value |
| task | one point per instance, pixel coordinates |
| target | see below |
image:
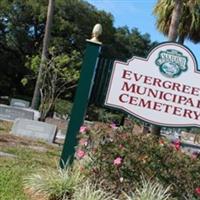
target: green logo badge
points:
(172, 63)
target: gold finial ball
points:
(96, 32)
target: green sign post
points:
(81, 99)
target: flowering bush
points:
(119, 159)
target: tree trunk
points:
(172, 35)
(36, 95)
(156, 130)
(181, 39)
(173, 29)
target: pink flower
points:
(194, 155)
(161, 142)
(117, 161)
(177, 144)
(83, 142)
(80, 153)
(197, 191)
(121, 146)
(113, 126)
(83, 129)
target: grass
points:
(19, 177)
(150, 190)
(55, 183)
(11, 179)
(28, 160)
(90, 191)
(5, 126)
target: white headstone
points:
(19, 103)
(37, 114)
(9, 113)
(34, 129)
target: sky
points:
(138, 13)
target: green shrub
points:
(150, 190)
(55, 184)
(119, 159)
(63, 107)
(90, 191)
(103, 115)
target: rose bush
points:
(119, 158)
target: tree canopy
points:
(189, 18)
(22, 25)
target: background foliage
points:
(22, 26)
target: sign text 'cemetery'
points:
(163, 89)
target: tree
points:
(176, 18)
(174, 24)
(22, 28)
(129, 43)
(23, 24)
(61, 73)
(172, 35)
(186, 17)
(21, 32)
(36, 95)
(74, 21)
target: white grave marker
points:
(34, 129)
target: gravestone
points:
(60, 123)
(19, 103)
(187, 137)
(34, 129)
(190, 138)
(4, 154)
(37, 114)
(4, 100)
(9, 113)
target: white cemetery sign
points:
(162, 89)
